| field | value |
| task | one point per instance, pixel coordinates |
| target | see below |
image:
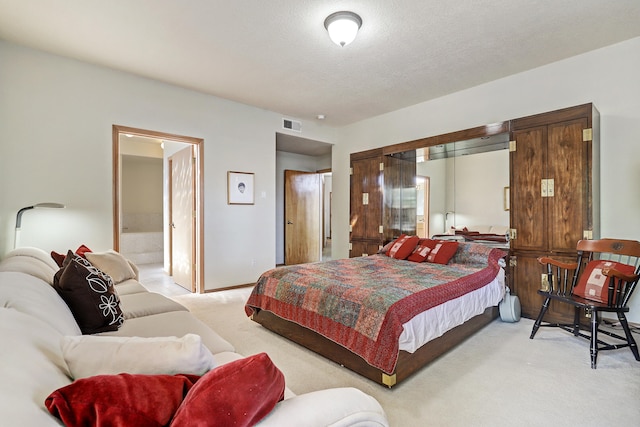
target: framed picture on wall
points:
(240, 188)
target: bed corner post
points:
(388, 380)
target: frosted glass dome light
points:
(342, 27)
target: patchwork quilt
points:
(362, 303)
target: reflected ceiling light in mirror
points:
(343, 27)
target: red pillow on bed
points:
(594, 285)
(421, 251)
(441, 251)
(403, 246)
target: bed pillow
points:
(89, 294)
(238, 393)
(594, 285)
(90, 355)
(112, 263)
(403, 246)
(421, 251)
(442, 251)
(120, 400)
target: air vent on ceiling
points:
(292, 125)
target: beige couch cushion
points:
(32, 261)
(31, 367)
(90, 355)
(147, 303)
(175, 323)
(112, 263)
(37, 298)
(130, 286)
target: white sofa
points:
(34, 320)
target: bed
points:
(382, 317)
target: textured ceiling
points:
(276, 54)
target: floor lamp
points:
(21, 211)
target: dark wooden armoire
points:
(554, 196)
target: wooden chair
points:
(602, 280)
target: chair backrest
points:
(615, 250)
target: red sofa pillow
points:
(59, 258)
(421, 251)
(594, 285)
(442, 251)
(403, 246)
(120, 400)
(238, 393)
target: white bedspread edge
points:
(436, 321)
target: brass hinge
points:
(513, 234)
(544, 285)
(513, 262)
(365, 198)
(512, 146)
(350, 228)
(587, 234)
(380, 229)
(587, 135)
(365, 254)
(350, 246)
(350, 171)
(381, 166)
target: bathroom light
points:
(22, 210)
(342, 27)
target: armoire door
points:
(365, 205)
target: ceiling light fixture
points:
(343, 27)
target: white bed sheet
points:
(436, 321)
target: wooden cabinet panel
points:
(528, 166)
(366, 204)
(567, 163)
(526, 278)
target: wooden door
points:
(182, 219)
(366, 204)
(527, 206)
(302, 217)
(567, 164)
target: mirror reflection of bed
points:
(466, 186)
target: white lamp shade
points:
(343, 27)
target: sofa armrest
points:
(336, 407)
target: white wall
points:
(56, 120)
(607, 77)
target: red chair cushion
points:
(593, 285)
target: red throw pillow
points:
(59, 258)
(594, 285)
(421, 251)
(238, 393)
(442, 251)
(120, 400)
(403, 246)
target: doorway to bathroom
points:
(158, 202)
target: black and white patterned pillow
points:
(90, 295)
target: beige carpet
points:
(498, 377)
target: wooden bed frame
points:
(408, 363)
